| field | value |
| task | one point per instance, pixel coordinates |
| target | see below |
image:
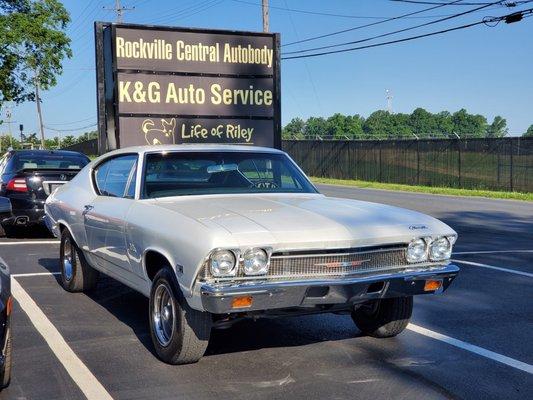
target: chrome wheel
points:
(68, 254)
(163, 314)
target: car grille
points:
(329, 264)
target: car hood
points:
(290, 221)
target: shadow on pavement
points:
(131, 308)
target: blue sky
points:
(485, 70)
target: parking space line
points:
(78, 371)
(35, 274)
(512, 271)
(511, 362)
(30, 242)
(491, 252)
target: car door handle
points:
(87, 208)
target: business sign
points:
(160, 85)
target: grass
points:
(427, 189)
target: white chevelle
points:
(216, 233)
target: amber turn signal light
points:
(241, 302)
(432, 285)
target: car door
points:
(105, 216)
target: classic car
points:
(216, 233)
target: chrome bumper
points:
(218, 298)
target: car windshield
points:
(46, 160)
(191, 173)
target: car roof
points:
(37, 152)
(194, 148)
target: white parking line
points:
(491, 252)
(512, 271)
(35, 274)
(511, 362)
(78, 371)
(30, 242)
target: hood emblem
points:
(342, 264)
(417, 227)
(63, 177)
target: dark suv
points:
(27, 177)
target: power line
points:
(371, 24)
(75, 122)
(524, 13)
(71, 129)
(189, 11)
(506, 3)
(395, 32)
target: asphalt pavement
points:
(472, 342)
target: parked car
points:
(27, 177)
(5, 212)
(213, 234)
(6, 307)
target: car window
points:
(112, 176)
(197, 173)
(46, 160)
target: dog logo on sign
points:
(159, 135)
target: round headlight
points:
(417, 251)
(255, 262)
(223, 263)
(440, 249)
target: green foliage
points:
(498, 128)
(294, 129)
(33, 45)
(382, 124)
(529, 132)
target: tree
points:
(498, 128)
(294, 129)
(469, 125)
(423, 123)
(529, 132)
(33, 46)
(315, 128)
(67, 141)
(379, 125)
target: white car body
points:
(117, 235)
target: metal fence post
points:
(417, 161)
(511, 165)
(380, 176)
(459, 160)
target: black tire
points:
(187, 336)
(5, 373)
(76, 273)
(384, 318)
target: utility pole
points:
(266, 18)
(9, 115)
(39, 112)
(119, 10)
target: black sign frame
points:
(107, 82)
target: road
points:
(473, 342)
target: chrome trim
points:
(342, 293)
(406, 268)
(351, 253)
(210, 288)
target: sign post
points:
(162, 85)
